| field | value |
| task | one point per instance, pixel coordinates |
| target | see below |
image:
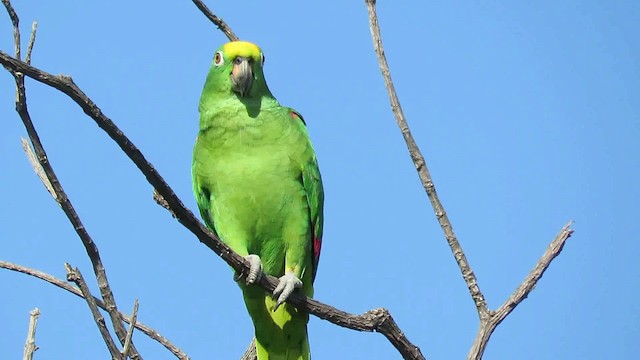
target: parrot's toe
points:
(255, 270)
(288, 283)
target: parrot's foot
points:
(288, 283)
(255, 270)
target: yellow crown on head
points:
(242, 48)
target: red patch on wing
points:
(296, 116)
(317, 247)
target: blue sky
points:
(527, 114)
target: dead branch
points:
(216, 21)
(134, 318)
(33, 160)
(60, 195)
(421, 167)
(151, 333)
(30, 345)
(488, 319)
(250, 353)
(75, 276)
(488, 325)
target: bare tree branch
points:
(488, 319)
(15, 21)
(62, 199)
(162, 202)
(375, 320)
(421, 167)
(488, 325)
(75, 276)
(33, 160)
(151, 333)
(250, 353)
(134, 318)
(30, 345)
(216, 20)
(32, 40)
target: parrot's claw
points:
(255, 270)
(288, 283)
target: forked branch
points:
(75, 276)
(151, 333)
(488, 319)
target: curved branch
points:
(378, 320)
(75, 291)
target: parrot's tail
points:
(280, 334)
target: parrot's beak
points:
(241, 75)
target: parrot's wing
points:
(203, 199)
(312, 183)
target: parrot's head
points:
(237, 69)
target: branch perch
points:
(375, 320)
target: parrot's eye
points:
(218, 59)
(262, 59)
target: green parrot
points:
(258, 187)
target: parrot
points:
(258, 188)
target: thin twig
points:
(423, 172)
(75, 276)
(30, 345)
(216, 20)
(488, 325)
(33, 160)
(375, 320)
(32, 40)
(62, 199)
(151, 333)
(15, 21)
(134, 317)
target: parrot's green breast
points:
(251, 170)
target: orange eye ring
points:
(218, 59)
